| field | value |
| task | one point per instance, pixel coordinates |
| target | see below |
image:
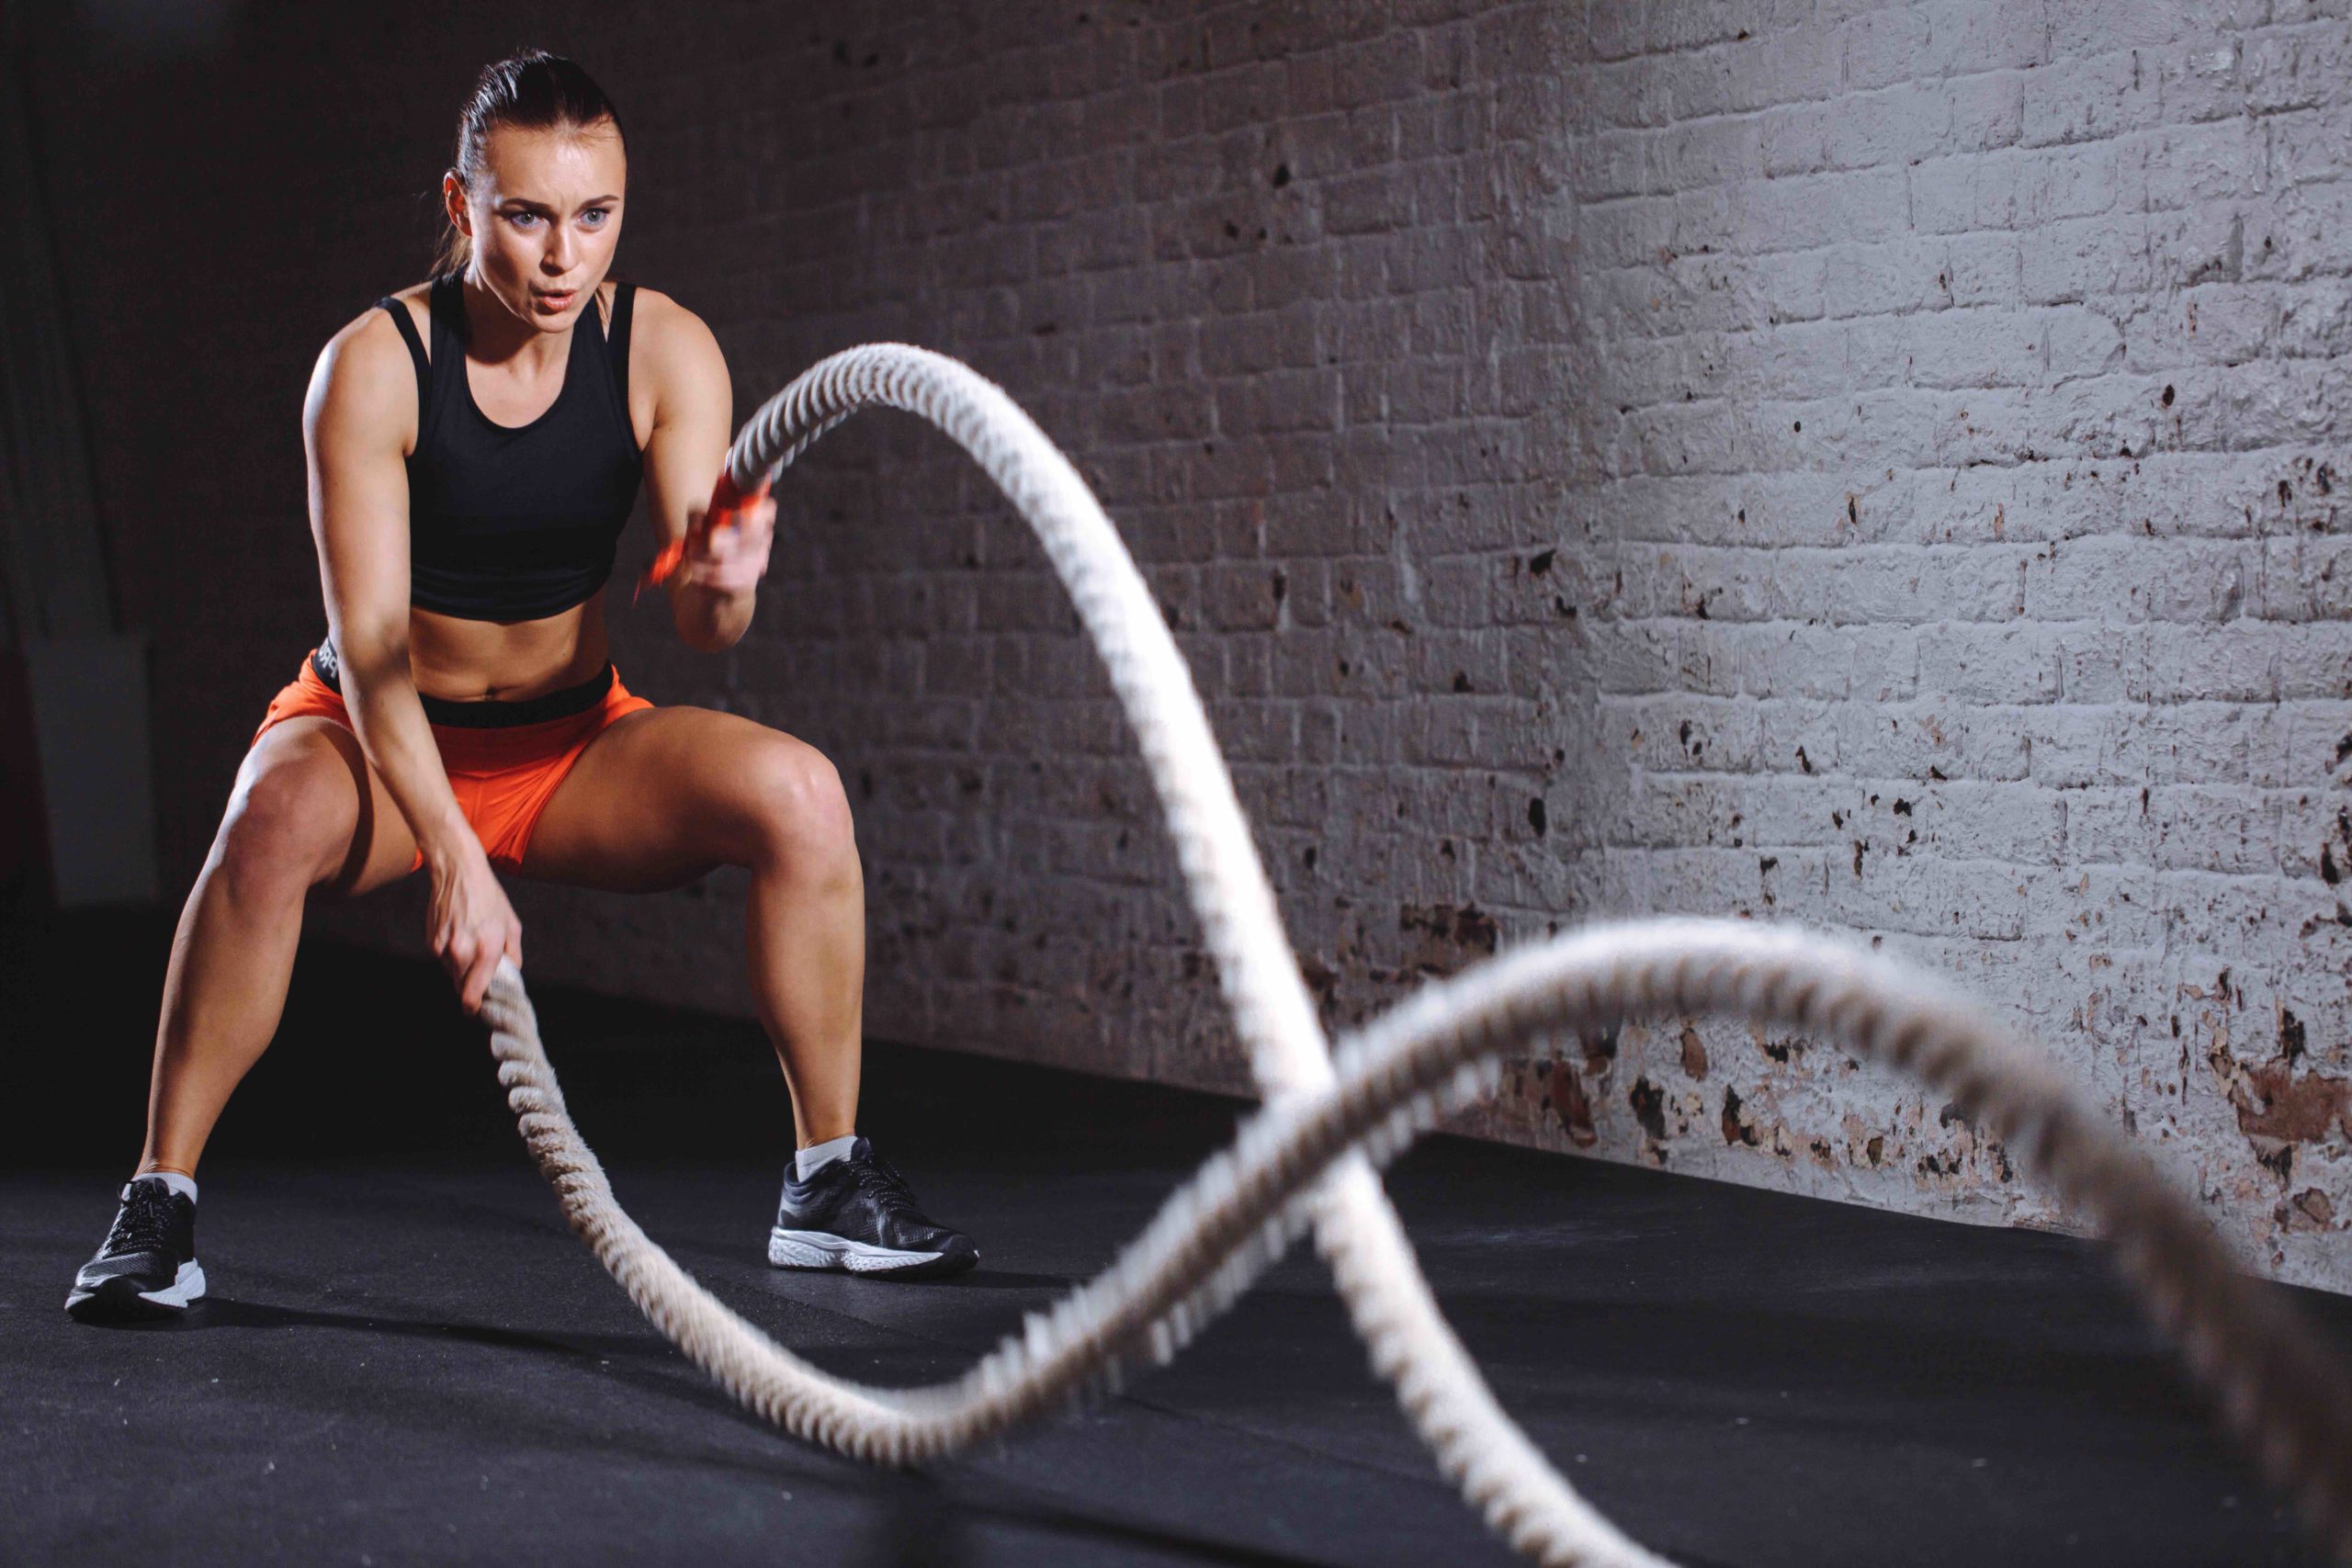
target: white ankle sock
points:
(184, 1185)
(816, 1156)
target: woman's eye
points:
(598, 213)
(521, 220)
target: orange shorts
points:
(503, 775)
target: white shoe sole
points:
(188, 1285)
(821, 1250)
(185, 1287)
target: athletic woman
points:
(475, 445)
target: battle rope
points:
(1308, 1155)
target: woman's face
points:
(544, 219)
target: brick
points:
(1990, 663)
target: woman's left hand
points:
(727, 548)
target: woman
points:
(475, 446)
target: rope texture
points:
(1309, 1156)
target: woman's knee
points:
(800, 811)
(290, 820)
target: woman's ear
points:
(453, 202)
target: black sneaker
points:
(858, 1215)
(146, 1266)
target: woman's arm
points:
(713, 591)
(357, 421)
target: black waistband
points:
(485, 714)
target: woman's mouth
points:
(552, 301)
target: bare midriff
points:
(467, 661)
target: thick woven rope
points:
(1310, 1157)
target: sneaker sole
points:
(118, 1299)
(822, 1249)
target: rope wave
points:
(1308, 1157)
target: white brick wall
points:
(1970, 394)
(1870, 464)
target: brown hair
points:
(533, 90)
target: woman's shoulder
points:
(416, 300)
(669, 340)
(656, 312)
(373, 335)
(365, 369)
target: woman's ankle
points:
(180, 1181)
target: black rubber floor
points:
(407, 1357)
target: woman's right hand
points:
(472, 925)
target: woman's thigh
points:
(305, 792)
(666, 794)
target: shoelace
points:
(144, 1222)
(876, 1177)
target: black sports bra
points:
(513, 522)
